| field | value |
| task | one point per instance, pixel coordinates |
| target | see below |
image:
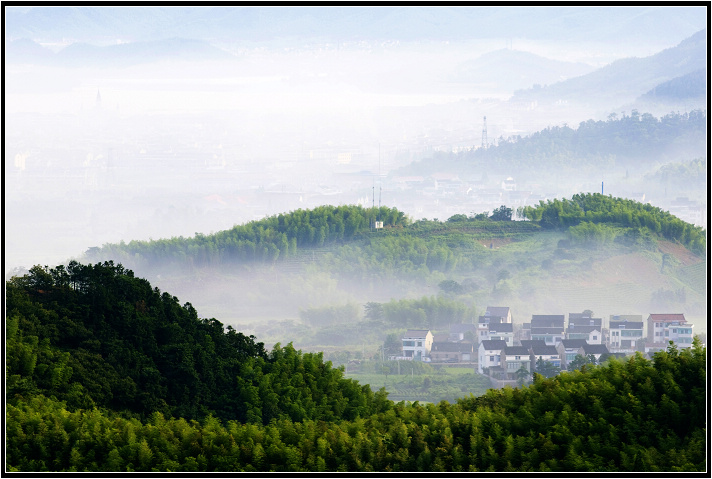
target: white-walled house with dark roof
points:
(490, 354)
(417, 343)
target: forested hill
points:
(96, 336)
(637, 139)
(270, 239)
(437, 245)
(105, 373)
(598, 218)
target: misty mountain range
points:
(122, 55)
(628, 78)
(512, 68)
(573, 82)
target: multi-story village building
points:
(514, 358)
(490, 354)
(417, 343)
(663, 328)
(503, 331)
(453, 352)
(568, 349)
(624, 332)
(583, 326)
(548, 328)
(495, 315)
(545, 353)
(498, 314)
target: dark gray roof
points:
(626, 325)
(519, 350)
(547, 320)
(595, 349)
(451, 347)
(548, 330)
(501, 327)
(573, 343)
(582, 329)
(493, 344)
(585, 321)
(544, 350)
(528, 343)
(416, 333)
(626, 317)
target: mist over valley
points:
(347, 238)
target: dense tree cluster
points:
(636, 416)
(593, 216)
(96, 336)
(272, 238)
(435, 312)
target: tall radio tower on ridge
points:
(484, 134)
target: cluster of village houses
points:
(503, 349)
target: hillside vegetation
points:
(96, 336)
(105, 373)
(636, 141)
(588, 252)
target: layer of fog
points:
(158, 150)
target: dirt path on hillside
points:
(682, 254)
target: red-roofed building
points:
(663, 328)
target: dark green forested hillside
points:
(270, 239)
(594, 217)
(402, 247)
(633, 415)
(96, 336)
(106, 372)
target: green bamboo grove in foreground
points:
(105, 373)
(637, 415)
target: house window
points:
(492, 358)
(420, 344)
(595, 338)
(517, 358)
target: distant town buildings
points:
(506, 350)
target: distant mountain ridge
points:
(514, 69)
(122, 55)
(689, 86)
(631, 77)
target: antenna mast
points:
(484, 133)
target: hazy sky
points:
(188, 135)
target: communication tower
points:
(484, 133)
